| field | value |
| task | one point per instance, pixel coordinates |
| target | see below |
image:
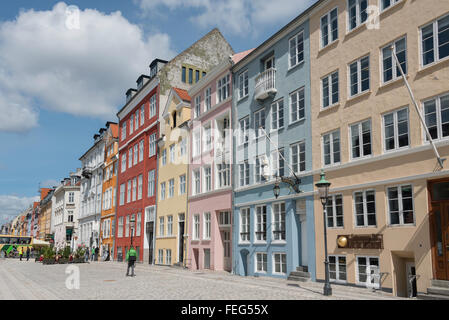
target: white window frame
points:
(331, 139)
(128, 195)
(361, 141)
(223, 88)
(436, 44)
(334, 212)
(337, 269)
(299, 38)
(264, 262)
(172, 153)
(357, 14)
(122, 194)
(171, 188)
(142, 115)
(244, 225)
(169, 226)
(182, 184)
(134, 195)
(207, 99)
(207, 226)
(151, 182)
(283, 267)
(161, 226)
(359, 77)
(300, 105)
(394, 66)
(130, 157)
(437, 101)
(244, 130)
(275, 109)
(329, 28)
(206, 177)
(400, 205)
(273, 222)
(246, 174)
(123, 165)
(302, 158)
(207, 136)
(141, 147)
(357, 277)
(260, 223)
(153, 106)
(196, 143)
(197, 108)
(396, 130)
(164, 157)
(243, 88)
(392, 4)
(330, 89)
(152, 145)
(163, 191)
(259, 121)
(136, 154)
(223, 174)
(365, 211)
(196, 182)
(196, 227)
(131, 124)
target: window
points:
(163, 191)
(206, 226)
(435, 41)
(134, 189)
(123, 131)
(225, 218)
(261, 262)
(368, 271)
(137, 119)
(183, 75)
(196, 182)
(196, 143)
(396, 129)
(153, 145)
(331, 148)
(152, 106)
(244, 173)
(172, 153)
(207, 136)
(390, 68)
(330, 91)
(139, 188)
(357, 12)
(131, 124)
(279, 221)
(120, 227)
(151, 183)
(127, 227)
(361, 139)
(142, 115)
(244, 130)
(223, 88)
(183, 147)
(259, 174)
(122, 194)
(161, 227)
(136, 153)
(334, 211)
(261, 223)
(71, 197)
(436, 114)
(337, 268)
(130, 157)
(280, 263)
(190, 75)
(223, 173)
(359, 76)
(197, 76)
(277, 161)
(160, 256)
(182, 184)
(197, 110)
(207, 179)
(297, 105)
(196, 227)
(277, 115)
(259, 122)
(141, 151)
(244, 225)
(365, 208)
(128, 197)
(169, 225)
(298, 153)
(400, 205)
(208, 99)
(243, 85)
(329, 27)
(387, 3)
(123, 163)
(164, 157)
(171, 188)
(296, 49)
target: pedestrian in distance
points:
(28, 254)
(86, 255)
(20, 253)
(131, 258)
(93, 254)
(97, 251)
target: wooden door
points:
(439, 223)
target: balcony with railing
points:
(265, 84)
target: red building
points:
(138, 133)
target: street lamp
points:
(132, 222)
(323, 191)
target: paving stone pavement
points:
(22, 280)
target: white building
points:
(65, 211)
(91, 192)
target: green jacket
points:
(131, 253)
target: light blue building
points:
(273, 236)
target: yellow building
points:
(368, 138)
(45, 216)
(170, 245)
(109, 191)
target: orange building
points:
(109, 191)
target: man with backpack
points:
(131, 257)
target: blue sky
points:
(58, 87)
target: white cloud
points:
(239, 17)
(83, 71)
(11, 206)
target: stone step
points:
(438, 291)
(295, 278)
(302, 269)
(432, 297)
(440, 283)
(300, 274)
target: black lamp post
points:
(323, 191)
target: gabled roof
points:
(182, 94)
(239, 56)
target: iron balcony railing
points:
(265, 84)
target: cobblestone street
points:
(98, 281)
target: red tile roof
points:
(182, 94)
(239, 56)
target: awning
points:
(40, 243)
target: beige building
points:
(170, 246)
(368, 138)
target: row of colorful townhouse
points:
(215, 157)
(208, 136)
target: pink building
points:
(210, 187)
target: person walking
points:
(131, 258)
(97, 251)
(93, 254)
(28, 254)
(20, 253)
(86, 255)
